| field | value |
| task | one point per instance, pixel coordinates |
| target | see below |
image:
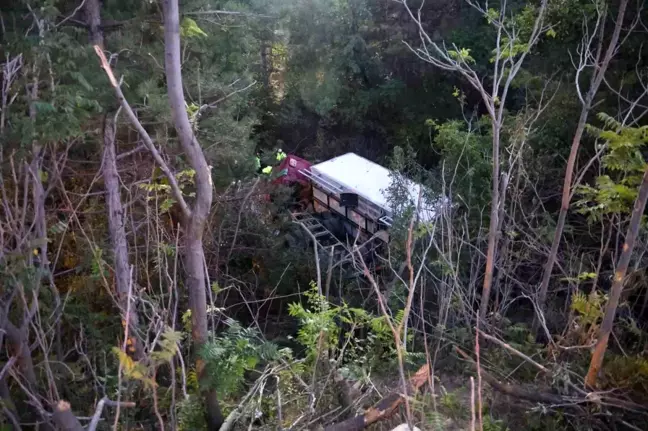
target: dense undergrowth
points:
(523, 304)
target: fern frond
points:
(610, 122)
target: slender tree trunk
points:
(40, 220)
(195, 221)
(493, 234)
(19, 337)
(40, 231)
(116, 212)
(117, 228)
(19, 347)
(17, 340)
(92, 11)
(266, 65)
(597, 78)
(564, 208)
(617, 286)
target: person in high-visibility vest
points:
(257, 162)
(280, 155)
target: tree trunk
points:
(17, 340)
(40, 221)
(617, 285)
(18, 337)
(18, 345)
(117, 228)
(493, 235)
(116, 213)
(40, 232)
(597, 78)
(564, 208)
(194, 222)
(266, 65)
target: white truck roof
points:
(369, 180)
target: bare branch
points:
(175, 188)
(131, 152)
(386, 407)
(74, 12)
(214, 104)
(514, 351)
(99, 409)
(226, 12)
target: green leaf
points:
(168, 346)
(81, 80)
(251, 362)
(166, 205)
(44, 107)
(215, 287)
(189, 29)
(463, 55)
(186, 320)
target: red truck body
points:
(289, 171)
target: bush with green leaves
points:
(623, 163)
(237, 350)
(362, 341)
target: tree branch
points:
(100, 405)
(514, 351)
(64, 418)
(175, 188)
(385, 408)
(214, 104)
(514, 390)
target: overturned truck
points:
(346, 202)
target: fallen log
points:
(513, 390)
(601, 398)
(384, 408)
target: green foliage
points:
(462, 55)
(168, 346)
(159, 188)
(191, 414)
(99, 268)
(466, 156)
(339, 79)
(520, 24)
(189, 29)
(583, 276)
(451, 403)
(143, 370)
(630, 372)
(615, 191)
(491, 424)
(589, 307)
(325, 327)
(231, 354)
(186, 320)
(520, 337)
(133, 370)
(318, 328)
